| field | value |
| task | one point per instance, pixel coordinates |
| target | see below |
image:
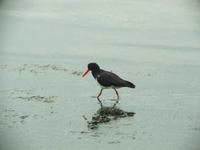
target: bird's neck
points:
(95, 73)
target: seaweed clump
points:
(106, 114)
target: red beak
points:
(86, 72)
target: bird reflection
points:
(106, 114)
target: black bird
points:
(107, 79)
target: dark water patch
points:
(16, 91)
(39, 68)
(11, 118)
(113, 111)
(105, 115)
(78, 73)
(28, 95)
(196, 129)
(44, 99)
(114, 142)
(22, 118)
(81, 132)
(13, 92)
(9, 110)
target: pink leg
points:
(99, 94)
(116, 93)
(99, 99)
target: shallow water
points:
(46, 45)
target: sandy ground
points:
(45, 46)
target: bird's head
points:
(91, 67)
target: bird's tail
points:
(129, 84)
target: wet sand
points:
(45, 47)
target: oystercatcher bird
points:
(107, 79)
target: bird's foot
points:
(114, 105)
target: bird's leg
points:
(99, 94)
(99, 99)
(117, 94)
(100, 102)
(117, 101)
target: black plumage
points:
(107, 79)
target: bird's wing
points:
(110, 79)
